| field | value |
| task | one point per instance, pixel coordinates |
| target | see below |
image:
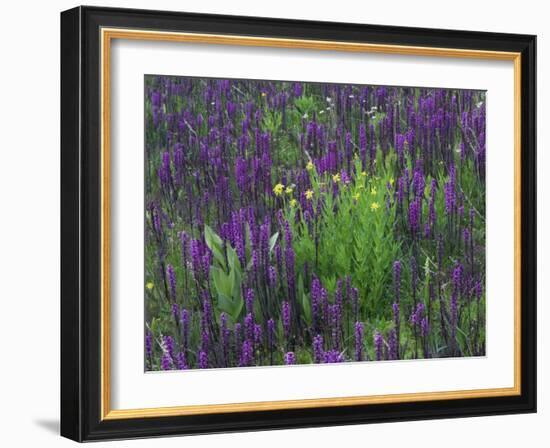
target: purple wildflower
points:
(285, 317)
(250, 301)
(318, 351)
(358, 341)
(333, 356)
(166, 362)
(170, 273)
(378, 345)
(393, 345)
(181, 361)
(290, 358)
(148, 345)
(246, 354)
(203, 360)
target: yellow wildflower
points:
(374, 206)
(278, 189)
(356, 196)
(310, 166)
(289, 190)
(336, 178)
(309, 195)
(364, 173)
(150, 285)
(293, 203)
(392, 181)
(263, 94)
(373, 191)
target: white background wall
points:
(29, 223)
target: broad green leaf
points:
(218, 256)
(232, 307)
(212, 239)
(233, 259)
(222, 281)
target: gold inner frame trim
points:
(107, 35)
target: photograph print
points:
(293, 222)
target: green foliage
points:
(354, 236)
(226, 275)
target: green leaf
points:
(222, 281)
(212, 239)
(218, 256)
(233, 259)
(228, 306)
(306, 305)
(273, 241)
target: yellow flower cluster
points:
(374, 206)
(336, 178)
(150, 285)
(310, 166)
(309, 195)
(278, 189)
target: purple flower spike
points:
(318, 351)
(258, 334)
(170, 273)
(415, 209)
(395, 309)
(166, 362)
(184, 315)
(378, 345)
(466, 236)
(424, 327)
(249, 326)
(250, 301)
(393, 350)
(272, 277)
(358, 341)
(290, 358)
(333, 356)
(148, 344)
(457, 277)
(175, 311)
(285, 316)
(168, 345)
(181, 361)
(246, 354)
(450, 197)
(203, 360)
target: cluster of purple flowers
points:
(237, 171)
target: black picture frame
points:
(81, 224)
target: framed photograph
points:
(275, 224)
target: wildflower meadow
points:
(299, 223)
